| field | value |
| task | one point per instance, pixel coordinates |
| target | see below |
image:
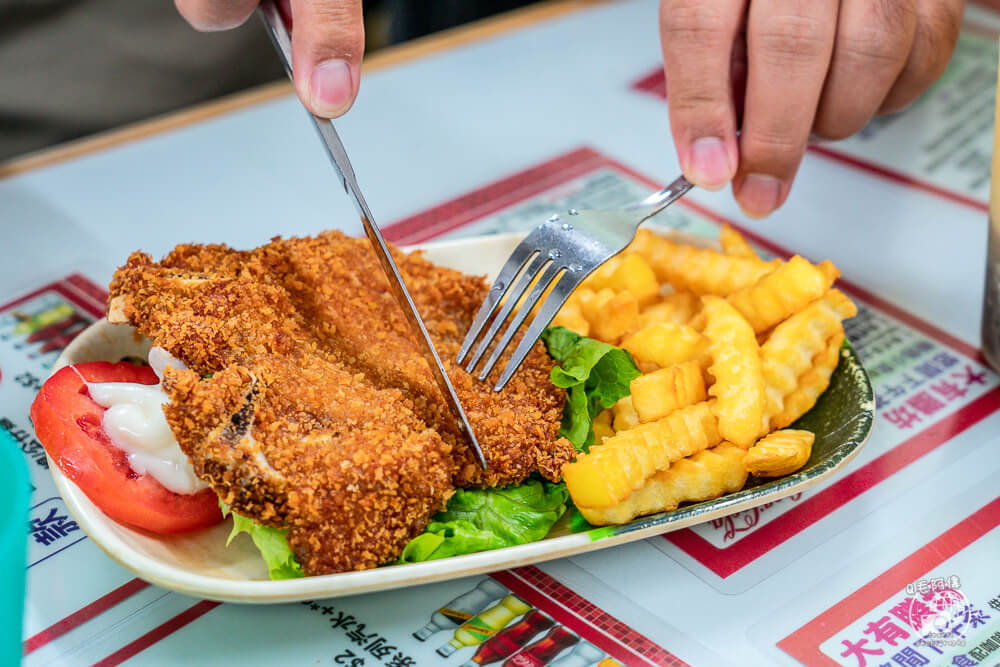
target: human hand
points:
(794, 69)
(328, 41)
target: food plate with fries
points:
(745, 391)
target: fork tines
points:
(536, 263)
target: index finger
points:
(697, 39)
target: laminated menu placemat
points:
(815, 577)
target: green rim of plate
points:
(842, 421)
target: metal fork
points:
(560, 252)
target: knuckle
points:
(870, 51)
(874, 44)
(772, 151)
(936, 35)
(890, 15)
(945, 19)
(334, 27)
(790, 38)
(322, 45)
(771, 141)
(699, 105)
(687, 22)
(335, 13)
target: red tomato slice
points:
(68, 424)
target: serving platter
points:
(201, 565)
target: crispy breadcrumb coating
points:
(308, 404)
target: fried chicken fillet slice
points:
(283, 431)
(337, 285)
(309, 405)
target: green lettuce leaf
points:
(272, 543)
(559, 341)
(446, 539)
(483, 519)
(595, 376)
(577, 422)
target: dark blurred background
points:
(70, 68)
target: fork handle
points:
(658, 201)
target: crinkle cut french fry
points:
(580, 296)
(779, 453)
(666, 344)
(646, 366)
(602, 426)
(673, 308)
(697, 269)
(571, 317)
(736, 366)
(811, 384)
(656, 395)
(625, 416)
(789, 289)
(635, 275)
(734, 244)
(611, 471)
(794, 344)
(829, 269)
(611, 314)
(706, 475)
(600, 278)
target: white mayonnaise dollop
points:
(134, 421)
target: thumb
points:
(328, 42)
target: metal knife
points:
(276, 28)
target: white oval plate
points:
(200, 564)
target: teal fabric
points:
(13, 546)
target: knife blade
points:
(275, 25)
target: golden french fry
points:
(811, 384)
(736, 366)
(611, 314)
(673, 308)
(794, 344)
(601, 276)
(706, 475)
(779, 453)
(762, 354)
(646, 366)
(611, 471)
(699, 270)
(633, 274)
(656, 395)
(581, 295)
(734, 244)
(790, 288)
(602, 426)
(829, 270)
(625, 416)
(666, 344)
(571, 317)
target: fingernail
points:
(330, 88)
(759, 195)
(709, 163)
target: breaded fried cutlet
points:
(516, 428)
(308, 404)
